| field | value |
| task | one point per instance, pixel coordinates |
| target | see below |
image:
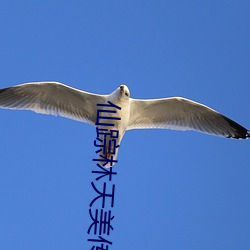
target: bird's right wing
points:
(52, 98)
(182, 114)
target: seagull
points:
(125, 113)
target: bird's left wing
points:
(52, 98)
(182, 114)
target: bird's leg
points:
(107, 154)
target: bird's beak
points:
(122, 88)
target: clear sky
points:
(174, 190)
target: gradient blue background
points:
(174, 190)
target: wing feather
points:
(52, 98)
(182, 114)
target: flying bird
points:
(175, 113)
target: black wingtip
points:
(3, 90)
(239, 131)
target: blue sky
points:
(174, 190)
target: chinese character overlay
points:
(106, 144)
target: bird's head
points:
(124, 91)
(121, 94)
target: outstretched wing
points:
(52, 98)
(182, 114)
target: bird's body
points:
(167, 113)
(120, 125)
